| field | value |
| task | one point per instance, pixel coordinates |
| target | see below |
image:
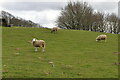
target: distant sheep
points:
(101, 37)
(38, 43)
(54, 29)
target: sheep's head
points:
(33, 40)
(97, 39)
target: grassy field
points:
(75, 54)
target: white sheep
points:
(38, 43)
(54, 29)
(101, 37)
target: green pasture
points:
(74, 53)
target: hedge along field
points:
(74, 53)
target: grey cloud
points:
(104, 6)
(34, 6)
(39, 6)
(119, 9)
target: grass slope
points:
(74, 53)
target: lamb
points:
(54, 29)
(38, 43)
(101, 37)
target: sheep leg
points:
(43, 50)
(36, 49)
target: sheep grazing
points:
(38, 43)
(54, 29)
(101, 37)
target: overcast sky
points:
(45, 12)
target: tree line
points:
(81, 16)
(9, 20)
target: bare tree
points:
(113, 21)
(97, 20)
(75, 16)
(80, 16)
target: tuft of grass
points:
(75, 54)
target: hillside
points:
(8, 20)
(74, 53)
